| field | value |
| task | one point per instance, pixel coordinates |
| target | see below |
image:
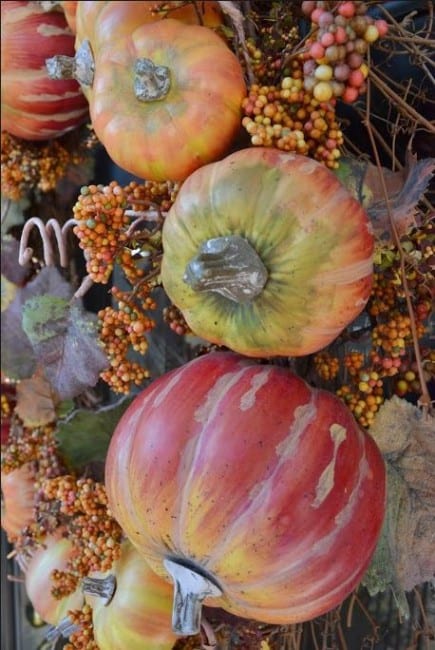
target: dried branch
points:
(45, 230)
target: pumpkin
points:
(136, 598)
(101, 22)
(164, 100)
(54, 554)
(267, 253)
(69, 8)
(33, 106)
(18, 500)
(256, 492)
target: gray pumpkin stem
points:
(190, 589)
(151, 82)
(102, 587)
(80, 67)
(229, 266)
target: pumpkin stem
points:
(190, 589)
(229, 266)
(64, 629)
(80, 67)
(102, 587)
(151, 81)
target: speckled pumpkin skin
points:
(245, 470)
(141, 607)
(312, 235)
(18, 500)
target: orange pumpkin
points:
(164, 100)
(69, 8)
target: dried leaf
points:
(85, 435)
(405, 189)
(18, 360)
(404, 557)
(64, 340)
(237, 19)
(36, 400)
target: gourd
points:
(265, 252)
(18, 500)
(164, 99)
(33, 106)
(133, 596)
(247, 488)
(53, 554)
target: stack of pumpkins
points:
(232, 478)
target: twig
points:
(406, 108)
(425, 399)
(6, 207)
(237, 18)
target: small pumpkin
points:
(33, 106)
(54, 553)
(163, 100)
(265, 252)
(256, 492)
(136, 598)
(18, 500)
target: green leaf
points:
(85, 435)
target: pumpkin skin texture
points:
(53, 555)
(100, 21)
(33, 106)
(141, 607)
(18, 500)
(312, 236)
(69, 8)
(265, 484)
(193, 124)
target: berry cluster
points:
(176, 321)
(83, 639)
(335, 59)
(29, 166)
(365, 380)
(80, 504)
(122, 226)
(36, 445)
(290, 118)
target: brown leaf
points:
(405, 555)
(36, 400)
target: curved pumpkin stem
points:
(229, 266)
(80, 67)
(190, 589)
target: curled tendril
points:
(45, 230)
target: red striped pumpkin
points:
(33, 106)
(244, 474)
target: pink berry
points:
(327, 39)
(317, 51)
(308, 6)
(340, 35)
(356, 79)
(347, 9)
(315, 15)
(382, 27)
(350, 94)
